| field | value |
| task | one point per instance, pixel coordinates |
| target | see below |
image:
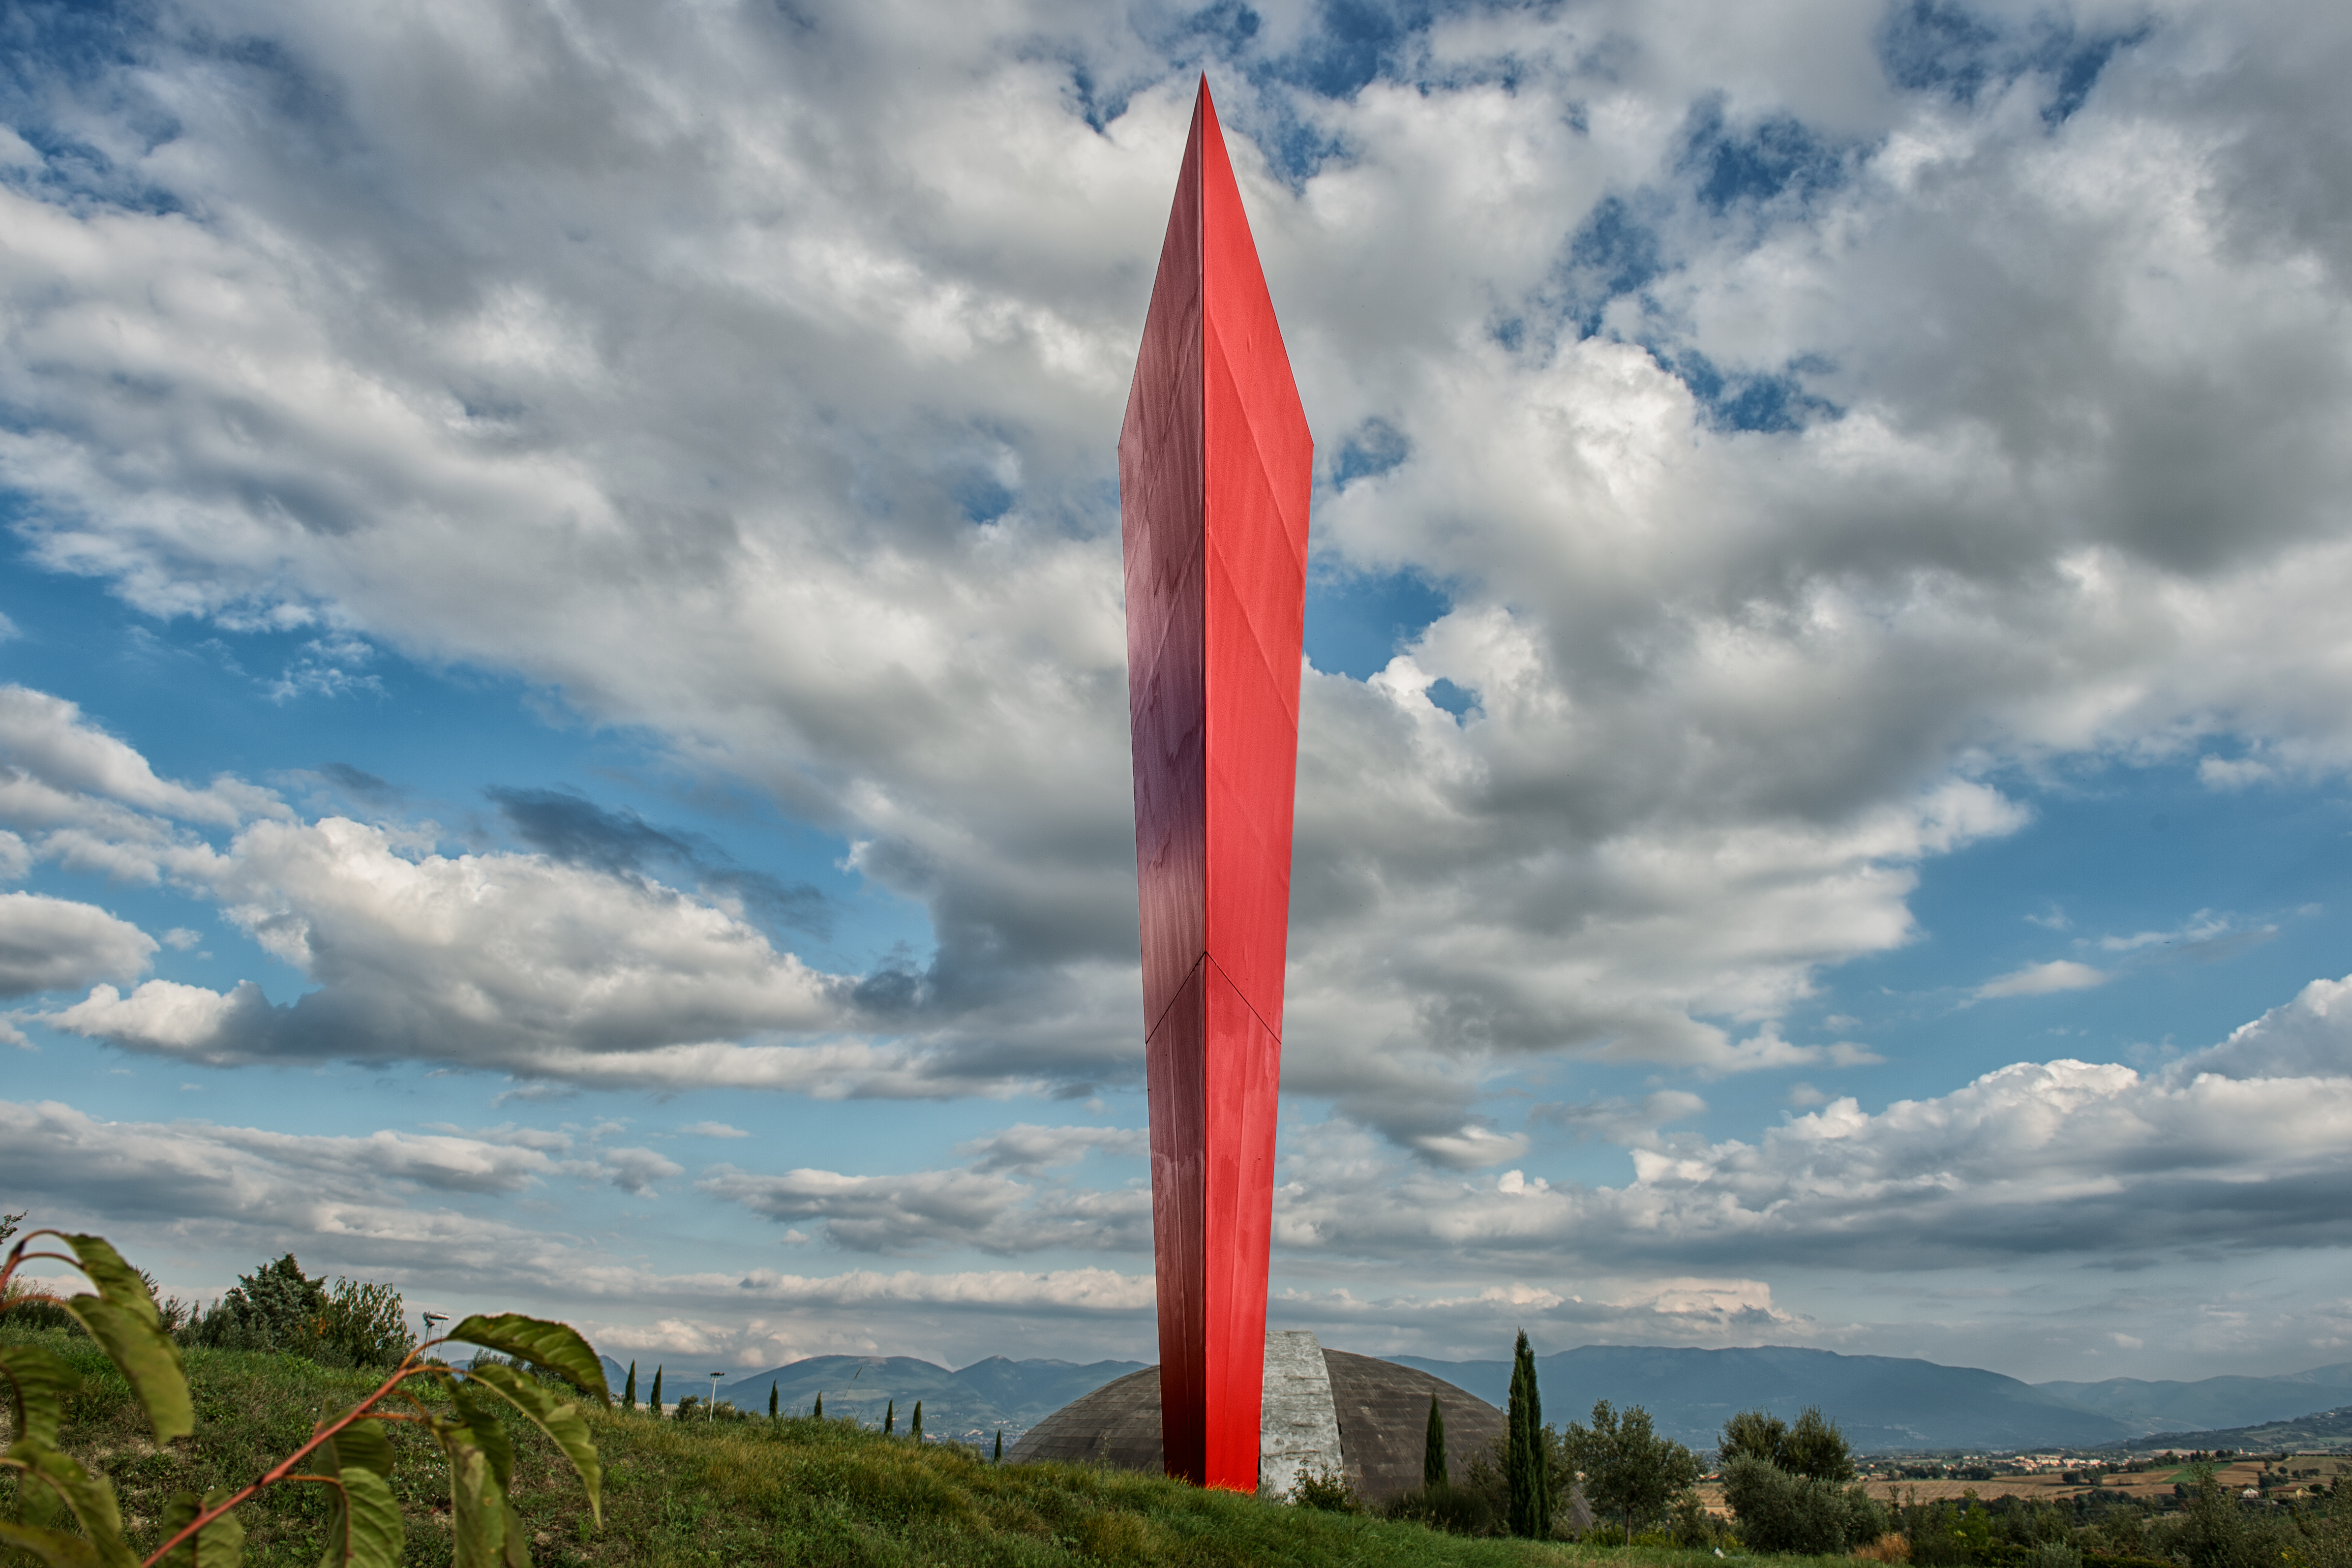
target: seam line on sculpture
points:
(1170, 1007)
(1210, 958)
(1257, 450)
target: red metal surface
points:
(1215, 469)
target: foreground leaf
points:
(117, 1281)
(89, 1496)
(52, 1547)
(220, 1544)
(555, 1346)
(477, 1503)
(517, 1546)
(557, 1416)
(487, 1431)
(41, 1381)
(364, 1526)
(149, 1358)
(364, 1531)
(363, 1443)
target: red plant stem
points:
(278, 1471)
(18, 1255)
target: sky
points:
(562, 693)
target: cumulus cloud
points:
(1027, 1149)
(512, 962)
(2233, 1148)
(931, 1210)
(1806, 415)
(49, 944)
(2042, 979)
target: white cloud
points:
(55, 760)
(2078, 496)
(634, 1170)
(1630, 1123)
(2043, 979)
(1027, 1149)
(711, 1130)
(49, 944)
(1470, 1148)
(932, 1210)
(512, 962)
(2233, 772)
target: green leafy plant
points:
(1433, 1448)
(67, 1516)
(915, 1428)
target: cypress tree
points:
(772, 1402)
(1528, 1474)
(915, 1428)
(656, 1398)
(1433, 1450)
(1000, 1447)
(889, 1417)
(629, 1391)
(818, 1414)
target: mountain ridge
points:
(1885, 1404)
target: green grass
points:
(798, 1491)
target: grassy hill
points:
(2320, 1432)
(798, 1491)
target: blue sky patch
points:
(1356, 622)
(1940, 46)
(1778, 155)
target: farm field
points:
(2049, 1485)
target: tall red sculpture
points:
(1215, 469)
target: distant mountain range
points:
(1884, 1403)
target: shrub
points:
(1324, 1488)
(352, 1322)
(1779, 1511)
(1890, 1547)
(1457, 1510)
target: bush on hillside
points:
(350, 1322)
(1325, 1489)
(1457, 1510)
(1779, 1511)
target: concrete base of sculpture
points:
(1364, 1418)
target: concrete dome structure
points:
(1365, 1417)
